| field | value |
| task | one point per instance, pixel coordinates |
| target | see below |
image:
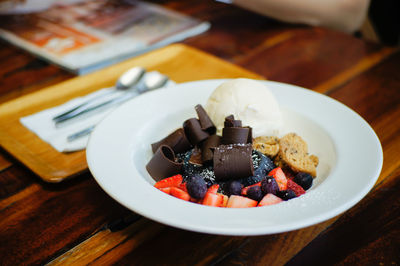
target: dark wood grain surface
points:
(77, 222)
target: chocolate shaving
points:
(195, 157)
(235, 135)
(231, 122)
(233, 162)
(250, 136)
(163, 164)
(207, 153)
(177, 140)
(205, 121)
(194, 132)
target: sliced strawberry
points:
(183, 187)
(165, 189)
(244, 190)
(225, 200)
(297, 189)
(195, 200)
(213, 189)
(289, 174)
(213, 199)
(280, 177)
(179, 193)
(173, 181)
(269, 199)
(236, 201)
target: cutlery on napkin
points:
(42, 123)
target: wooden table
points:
(77, 222)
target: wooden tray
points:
(180, 62)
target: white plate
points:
(349, 151)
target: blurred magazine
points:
(84, 36)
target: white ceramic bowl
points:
(349, 151)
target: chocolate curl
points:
(163, 164)
(193, 131)
(233, 162)
(177, 140)
(250, 136)
(205, 121)
(235, 135)
(207, 153)
(231, 122)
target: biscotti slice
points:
(314, 159)
(266, 145)
(293, 152)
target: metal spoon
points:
(127, 80)
(153, 80)
(130, 78)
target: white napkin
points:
(41, 123)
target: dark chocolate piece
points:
(212, 141)
(231, 122)
(233, 162)
(250, 136)
(193, 131)
(235, 135)
(177, 140)
(163, 164)
(195, 157)
(205, 121)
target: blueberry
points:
(262, 166)
(268, 165)
(255, 193)
(304, 180)
(286, 194)
(196, 187)
(235, 188)
(269, 185)
(251, 180)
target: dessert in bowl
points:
(120, 148)
(221, 164)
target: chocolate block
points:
(177, 140)
(205, 121)
(194, 132)
(235, 135)
(211, 142)
(231, 122)
(195, 158)
(163, 164)
(233, 162)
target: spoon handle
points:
(82, 105)
(128, 79)
(94, 109)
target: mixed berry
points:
(273, 188)
(195, 164)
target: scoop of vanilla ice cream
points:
(248, 100)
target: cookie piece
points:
(293, 152)
(267, 145)
(315, 159)
(279, 162)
